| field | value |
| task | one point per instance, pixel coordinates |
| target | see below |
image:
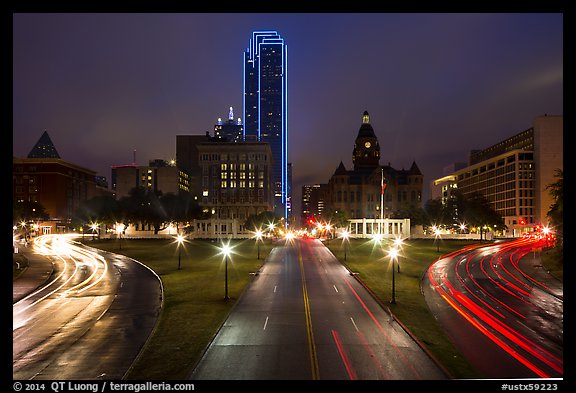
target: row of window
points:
(241, 184)
(233, 156)
(240, 192)
(491, 166)
(242, 175)
(233, 200)
(342, 196)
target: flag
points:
(382, 183)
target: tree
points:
(261, 220)
(477, 212)
(143, 206)
(28, 211)
(434, 212)
(101, 209)
(335, 217)
(556, 211)
(180, 207)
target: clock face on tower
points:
(367, 145)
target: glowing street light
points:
(226, 250)
(119, 229)
(179, 241)
(94, 226)
(289, 236)
(398, 243)
(345, 235)
(393, 255)
(258, 236)
(436, 236)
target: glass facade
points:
(266, 106)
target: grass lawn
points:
(194, 306)
(553, 261)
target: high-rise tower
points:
(266, 105)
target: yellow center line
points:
(311, 343)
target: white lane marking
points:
(354, 323)
(275, 286)
(336, 289)
(265, 323)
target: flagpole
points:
(381, 199)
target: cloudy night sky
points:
(436, 85)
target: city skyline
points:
(436, 86)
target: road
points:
(500, 308)
(89, 320)
(304, 317)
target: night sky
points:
(436, 85)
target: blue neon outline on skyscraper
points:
(285, 133)
(252, 54)
(244, 94)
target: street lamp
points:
(226, 251)
(119, 230)
(94, 226)
(179, 241)
(398, 242)
(393, 255)
(258, 239)
(345, 235)
(436, 235)
(271, 229)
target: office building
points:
(159, 176)
(236, 179)
(58, 185)
(513, 174)
(313, 202)
(265, 105)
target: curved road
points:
(305, 317)
(89, 320)
(499, 307)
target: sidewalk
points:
(39, 270)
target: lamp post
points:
(94, 226)
(345, 235)
(119, 229)
(393, 254)
(226, 251)
(398, 245)
(258, 239)
(179, 241)
(271, 228)
(436, 235)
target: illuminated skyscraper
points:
(266, 105)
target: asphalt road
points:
(89, 320)
(304, 317)
(500, 308)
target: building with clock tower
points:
(361, 192)
(366, 153)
